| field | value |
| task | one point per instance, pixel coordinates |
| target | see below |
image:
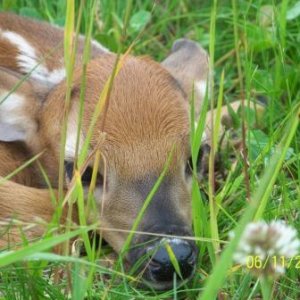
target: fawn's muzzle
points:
(161, 268)
(157, 258)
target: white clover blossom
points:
(265, 249)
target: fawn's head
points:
(146, 123)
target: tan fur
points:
(13, 155)
(189, 74)
(11, 81)
(139, 120)
(46, 40)
(147, 118)
(32, 210)
(141, 128)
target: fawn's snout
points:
(164, 233)
(161, 268)
(154, 256)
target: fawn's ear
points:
(188, 63)
(18, 108)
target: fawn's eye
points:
(69, 168)
(86, 177)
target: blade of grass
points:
(69, 59)
(198, 209)
(214, 148)
(19, 169)
(211, 175)
(173, 259)
(9, 257)
(243, 115)
(81, 212)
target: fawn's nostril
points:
(161, 267)
(182, 251)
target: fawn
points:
(146, 121)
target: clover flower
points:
(267, 249)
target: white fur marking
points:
(24, 47)
(10, 107)
(14, 123)
(56, 76)
(72, 135)
(200, 87)
(71, 144)
(28, 60)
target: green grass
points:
(255, 55)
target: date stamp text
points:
(255, 262)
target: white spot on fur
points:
(29, 62)
(14, 123)
(71, 144)
(9, 102)
(200, 87)
(70, 147)
(24, 47)
(56, 76)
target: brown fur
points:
(31, 207)
(141, 128)
(146, 118)
(141, 125)
(46, 40)
(13, 155)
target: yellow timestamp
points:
(255, 262)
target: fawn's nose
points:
(162, 269)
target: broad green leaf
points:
(9, 257)
(257, 141)
(139, 20)
(293, 12)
